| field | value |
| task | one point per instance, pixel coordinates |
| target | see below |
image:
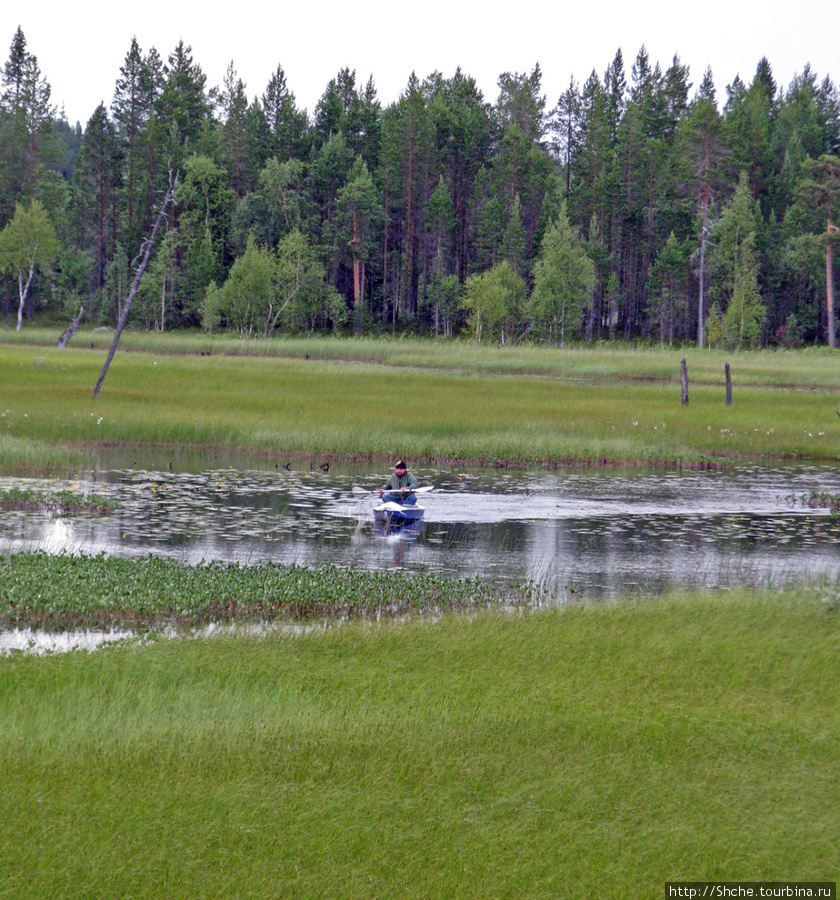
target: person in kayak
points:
(400, 487)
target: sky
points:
(81, 46)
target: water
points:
(599, 534)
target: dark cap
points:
(400, 464)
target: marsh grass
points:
(434, 402)
(25, 455)
(595, 751)
(64, 502)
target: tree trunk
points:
(70, 330)
(23, 290)
(409, 226)
(829, 284)
(147, 252)
(701, 299)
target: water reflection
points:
(597, 534)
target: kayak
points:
(397, 514)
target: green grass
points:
(595, 751)
(363, 400)
(812, 367)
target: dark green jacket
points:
(395, 482)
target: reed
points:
(589, 751)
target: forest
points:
(637, 206)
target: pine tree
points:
(183, 104)
(821, 190)
(95, 187)
(700, 154)
(461, 120)
(735, 262)
(357, 208)
(27, 138)
(567, 126)
(286, 123)
(667, 284)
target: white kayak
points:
(397, 513)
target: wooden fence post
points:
(728, 386)
(684, 382)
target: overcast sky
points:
(81, 46)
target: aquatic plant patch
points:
(61, 502)
(37, 589)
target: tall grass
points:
(590, 409)
(590, 752)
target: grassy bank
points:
(597, 751)
(433, 402)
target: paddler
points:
(400, 486)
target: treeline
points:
(636, 206)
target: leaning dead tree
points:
(146, 252)
(70, 330)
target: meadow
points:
(593, 751)
(351, 400)
(397, 736)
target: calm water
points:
(591, 534)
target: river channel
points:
(578, 534)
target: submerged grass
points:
(434, 403)
(595, 751)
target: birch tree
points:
(28, 243)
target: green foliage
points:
(267, 289)
(248, 298)
(564, 279)
(61, 502)
(667, 284)
(305, 299)
(275, 207)
(205, 202)
(28, 243)
(495, 300)
(396, 199)
(735, 264)
(72, 591)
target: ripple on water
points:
(598, 533)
